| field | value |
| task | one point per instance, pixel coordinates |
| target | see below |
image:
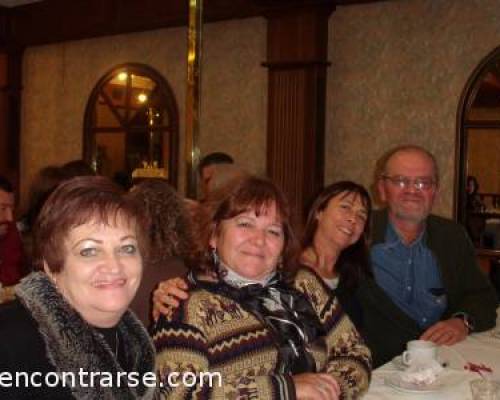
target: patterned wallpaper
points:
(234, 92)
(398, 70)
(58, 80)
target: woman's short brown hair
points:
(247, 193)
(74, 203)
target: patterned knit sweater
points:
(212, 333)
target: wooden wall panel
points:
(285, 147)
(4, 150)
(10, 95)
(51, 21)
(296, 105)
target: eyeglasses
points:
(403, 182)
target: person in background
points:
(11, 249)
(271, 333)
(170, 236)
(77, 168)
(476, 224)
(222, 175)
(7, 204)
(473, 201)
(71, 315)
(425, 264)
(206, 169)
(45, 181)
(215, 176)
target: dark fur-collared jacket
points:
(44, 337)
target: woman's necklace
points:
(117, 343)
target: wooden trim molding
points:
(52, 21)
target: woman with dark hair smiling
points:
(70, 319)
(335, 242)
(270, 332)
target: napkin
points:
(422, 373)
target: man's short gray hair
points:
(384, 160)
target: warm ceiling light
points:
(122, 76)
(142, 98)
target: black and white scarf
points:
(285, 311)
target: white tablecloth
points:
(479, 348)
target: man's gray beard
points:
(415, 219)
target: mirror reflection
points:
(481, 130)
(132, 126)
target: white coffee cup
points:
(419, 351)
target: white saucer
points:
(397, 383)
(444, 380)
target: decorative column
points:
(297, 64)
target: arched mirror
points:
(478, 151)
(131, 125)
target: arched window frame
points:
(170, 132)
(464, 125)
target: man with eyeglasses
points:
(432, 287)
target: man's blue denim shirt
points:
(410, 276)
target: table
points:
(477, 348)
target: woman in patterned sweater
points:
(269, 335)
